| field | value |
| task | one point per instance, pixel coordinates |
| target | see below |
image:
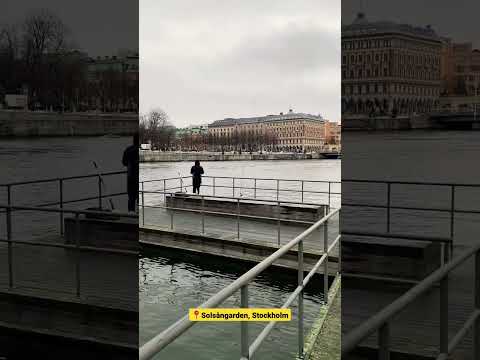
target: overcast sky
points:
(206, 60)
(99, 27)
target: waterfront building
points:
(283, 132)
(333, 133)
(389, 68)
(460, 69)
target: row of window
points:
(358, 44)
(394, 89)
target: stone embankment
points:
(168, 156)
(33, 123)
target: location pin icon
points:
(196, 312)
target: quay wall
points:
(159, 156)
(32, 123)
(388, 123)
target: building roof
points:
(362, 26)
(268, 118)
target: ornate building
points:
(389, 68)
(283, 132)
(460, 69)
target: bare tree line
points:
(38, 56)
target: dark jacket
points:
(197, 172)
(131, 161)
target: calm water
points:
(171, 283)
(420, 156)
(44, 158)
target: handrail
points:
(245, 178)
(379, 321)
(161, 340)
(63, 178)
(230, 197)
(65, 210)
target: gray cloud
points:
(218, 59)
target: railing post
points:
(329, 199)
(9, 237)
(244, 324)
(302, 190)
(452, 218)
(143, 204)
(164, 192)
(77, 253)
(444, 315)
(254, 188)
(384, 342)
(278, 189)
(300, 301)
(233, 187)
(203, 214)
(213, 186)
(278, 223)
(339, 255)
(325, 263)
(171, 218)
(388, 206)
(238, 219)
(99, 192)
(60, 188)
(476, 326)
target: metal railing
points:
(77, 247)
(61, 181)
(451, 210)
(161, 340)
(383, 320)
(9, 210)
(235, 187)
(203, 212)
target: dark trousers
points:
(196, 189)
(132, 201)
(132, 190)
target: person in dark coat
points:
(131, 161)
(197, 172)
